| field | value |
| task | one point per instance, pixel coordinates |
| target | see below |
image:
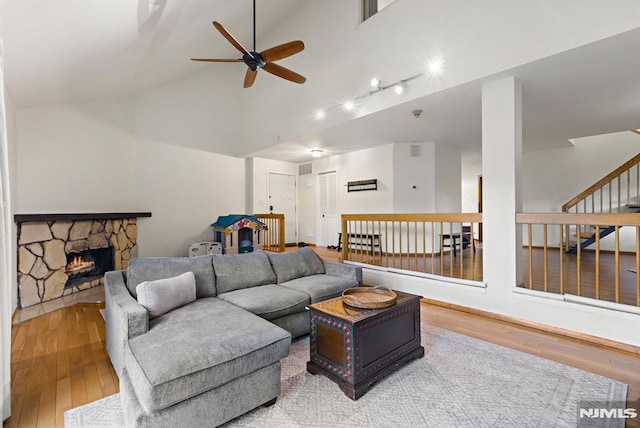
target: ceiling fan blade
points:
(230, 38)
(285, 73)
(215, 60)
(250, 77)
(282, 51)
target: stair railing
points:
(618, 188)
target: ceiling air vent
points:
(304, 169)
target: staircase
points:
(589, 236)
(616, 193)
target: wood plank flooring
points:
(59, 359)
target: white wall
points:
(201, 111)
(76, 158)
(447, 179)
(10, 113)
(414, 178)
(186, 190)
(569, 171)
(340, 63)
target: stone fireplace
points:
(61, 254)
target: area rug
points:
(460, 382)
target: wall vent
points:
(304, 169)
(415, 151)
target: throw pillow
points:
(162, 295)
(295, 264)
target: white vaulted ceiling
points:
(59, 51)
(63, 50)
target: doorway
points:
(328, 206)
(282, 200)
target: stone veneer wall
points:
(43, 249)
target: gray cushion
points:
(198, 347)
(295, 264)
(162, 295)
(236, 271)
(150, 269)
(321, 287)
(268, 301)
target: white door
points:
(282, 200)
(328, 205)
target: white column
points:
(502, 193)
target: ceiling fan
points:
(261, 60)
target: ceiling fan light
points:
(375, 83)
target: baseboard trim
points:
(594, 340)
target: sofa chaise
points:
(198, 341)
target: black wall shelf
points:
(362, 185)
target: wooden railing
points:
(607, 272)
(611, 193)
(438, 244)
(274, 235)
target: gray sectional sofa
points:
(198, 341)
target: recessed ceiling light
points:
(316, 153)
(399, 88)
(320, 114)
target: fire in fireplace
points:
(88, 265)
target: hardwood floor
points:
(59, 359)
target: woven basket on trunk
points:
(369, 297)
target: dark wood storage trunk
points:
(357, 347)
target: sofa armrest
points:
(125, 318)
(346, 271)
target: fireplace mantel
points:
(23, 218)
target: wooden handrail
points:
(437, 217)
(602, 182)
(597, 219)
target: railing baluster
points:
(441, 250)
(561, 252)
(386, 242)
(597, 278)
(546, 265)
(637, 265)
(433, 248)
(628, 186)
(424, 246)
(530, 238)
(578, 262)
(617, 259)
